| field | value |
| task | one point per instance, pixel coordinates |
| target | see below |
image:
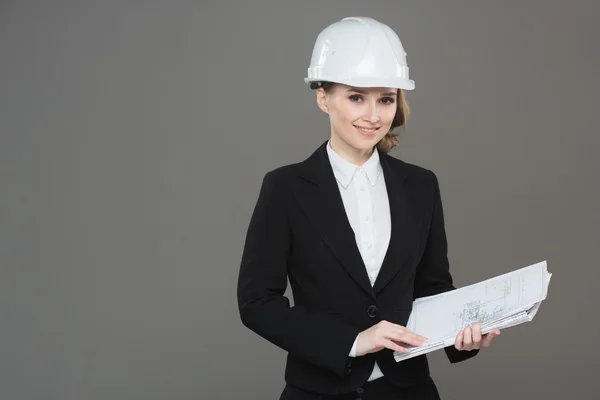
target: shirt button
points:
(369, 246)
(362, 188)
(367, 218)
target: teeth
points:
(367, 129)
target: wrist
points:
(358, 351)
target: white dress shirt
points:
(367, 206)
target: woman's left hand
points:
(470, 338)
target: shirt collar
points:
(344, 170)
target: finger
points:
(476, 335)
(400, 333)
(489, 338)
(408, 338)
(458, 341)
(420, 338)
(403, 329)
(468, 336)
(390, 344)
(423, 339)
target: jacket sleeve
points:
(433, 272)
(315, 337)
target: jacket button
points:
(360, 390)
(372, 311)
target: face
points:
(360, 117)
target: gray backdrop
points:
(134, 138)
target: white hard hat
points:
(359, 52)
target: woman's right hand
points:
(387, 335)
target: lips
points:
(366, 131)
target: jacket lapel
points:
(403, 223)
(320, 199)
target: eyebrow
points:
(365, 92)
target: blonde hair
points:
(390, 140)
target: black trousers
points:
(379, 389)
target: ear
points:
(322, 100)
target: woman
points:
(359, 234)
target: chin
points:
(363, 143)
(360, 142)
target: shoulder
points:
(276, 182)
(282, 175)
(412, 173)
(309, 168)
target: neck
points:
(351, 154)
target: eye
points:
(355, 98)
(388, 100)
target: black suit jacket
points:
(299, 229)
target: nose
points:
(372, 114)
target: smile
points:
(366, 131)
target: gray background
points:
(135, 135)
